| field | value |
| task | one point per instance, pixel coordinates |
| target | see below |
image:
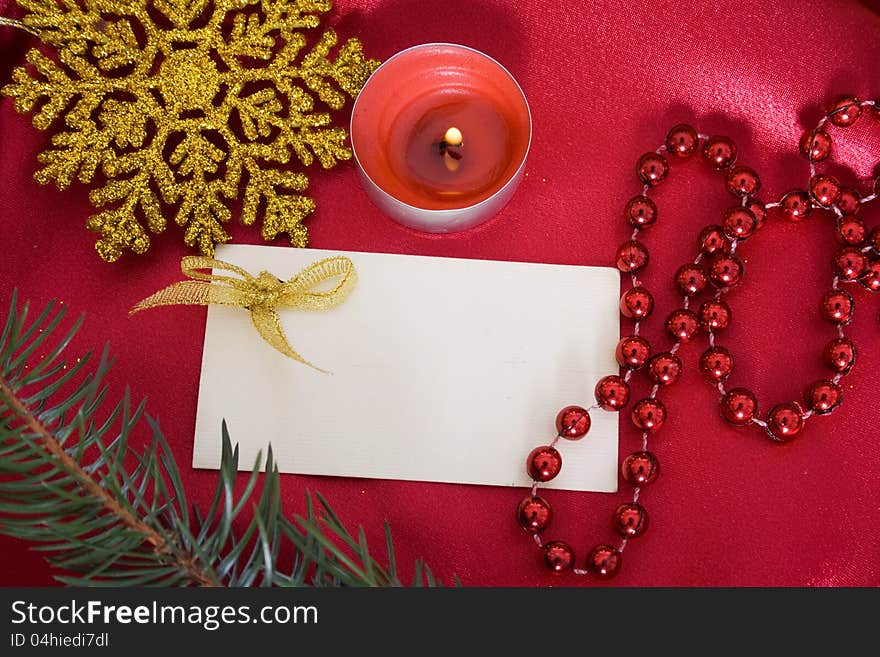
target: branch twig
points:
(95, 490)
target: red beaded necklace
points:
(717, 263)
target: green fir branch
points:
(109, 515)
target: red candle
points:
(440, 133)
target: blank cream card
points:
(440, 369)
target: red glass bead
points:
(649, 414)
(640, 468)
(633, 352)
(785, 421)
(534, 514)
(796, 206)
(726, 270)
(837, 306)
(739, 223)
(874, 240)
(682, 140)
(849, 201)
(652, 169)
(604, 561)
(759, 210)
(612, 393)
(850, 263)
(716, 363)
(743, 181)
(631, 520)
(682, 325)
(544, 463)
(632, 256)
(690, 279)
(851, 231)
(739, 406)
(573, 422)
(839, 355)
(558, 556)
(844, 110)
(664, 368)
(823, 396)
(825, 190)
(712, 240)
(714, 315)
(870, 280)
(815, 145)
(641, 211)
(636, 303)
(719, 152)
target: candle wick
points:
(446, 149)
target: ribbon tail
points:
(268, 325)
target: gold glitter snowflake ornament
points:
(182, 105)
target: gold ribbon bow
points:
(262, 295)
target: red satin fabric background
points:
(605, 81)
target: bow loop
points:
(305, 286)
(262, 295)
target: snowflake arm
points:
(79, 153)
(73, 28)
(203, 213)
(284, 212)
(173, 100)
(55, 86)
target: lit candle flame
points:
(452, 139)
